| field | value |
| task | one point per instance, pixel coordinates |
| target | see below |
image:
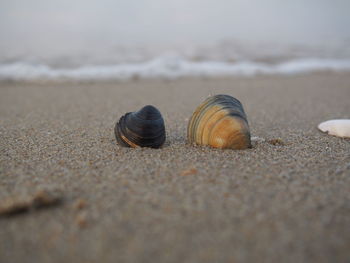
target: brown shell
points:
(220, 122)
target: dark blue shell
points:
(144, 128)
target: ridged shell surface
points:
(220, 122)
(143, 128)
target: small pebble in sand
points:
(81, 220)
(43, 198)
(191, 171)
(13, 207)
(339, 128)
(276, 142)
(40, 199)
(80, 204)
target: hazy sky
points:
(73, 24)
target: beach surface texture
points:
(69, 193)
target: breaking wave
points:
(169, 67)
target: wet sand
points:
(286, 202)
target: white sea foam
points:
(168, 67)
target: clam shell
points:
(339, 128)
(220, 122)
(143, 128)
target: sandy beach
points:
(285, 200)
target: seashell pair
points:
(219, 121)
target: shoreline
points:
(65, 81)
(171, 67)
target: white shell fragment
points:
(339, 128)
(257, 139)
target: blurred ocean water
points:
(106, 39)
(229, 58)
